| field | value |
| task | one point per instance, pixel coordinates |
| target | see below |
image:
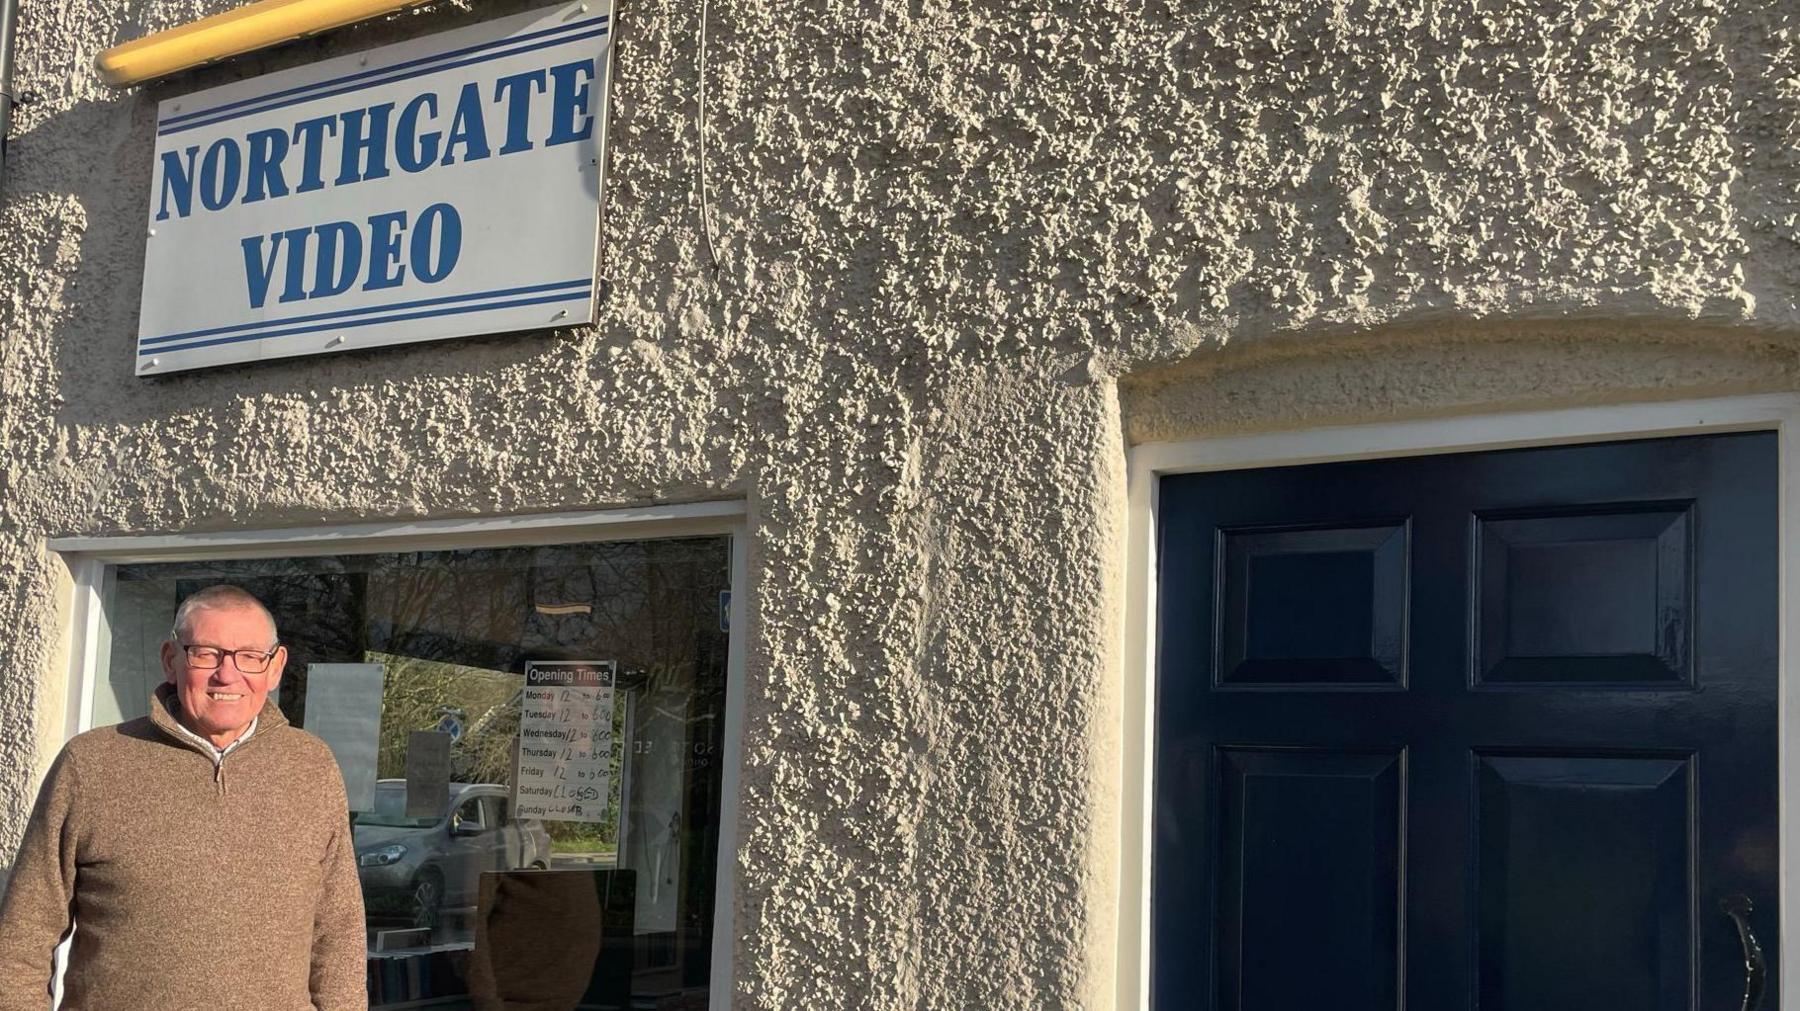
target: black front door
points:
(1486, 731)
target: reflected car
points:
(419, 867)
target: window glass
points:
(468, 816)
(568, 869)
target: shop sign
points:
(444, 187)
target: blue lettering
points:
(359, 140)
(369, 141)
(569, 100)
(385, 270)
(339, 259)
(518, 88)
(177, 182)
(258, 269)
(267, 149)
(294, 288)
(467, 128)
(414, 152)
(310, 134)
(220, 172)
(336, 254)
(440, 222)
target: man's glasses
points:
(249, 661)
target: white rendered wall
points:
(947, 231)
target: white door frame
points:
(1147, 462)
(90, 561)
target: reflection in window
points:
(473, 901)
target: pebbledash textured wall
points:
(972, 252)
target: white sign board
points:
(444, 187)
(343, 709)
(565, 740)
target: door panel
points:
(1313, 609)
(1317, 831)
(1584, 897)
(1601, 597)
(1554, 667)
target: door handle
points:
(1738, 907)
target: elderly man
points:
(201, 854)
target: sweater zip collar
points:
(215, 753)
(163, 705)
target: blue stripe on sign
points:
(454, 311)
(583, 283)
(319, 85)
(552, 43)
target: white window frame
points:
(90, 561)
(1148, 462)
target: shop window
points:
(498, 870)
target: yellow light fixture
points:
(233, 33)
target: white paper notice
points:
(343, 709)
(565, 740)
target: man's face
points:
(222, 701)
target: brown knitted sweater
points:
(191, 887)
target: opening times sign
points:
(565, 740)
(444, 187)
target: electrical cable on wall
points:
(712, 249)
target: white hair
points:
(223, 597)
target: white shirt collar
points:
(218, 753)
